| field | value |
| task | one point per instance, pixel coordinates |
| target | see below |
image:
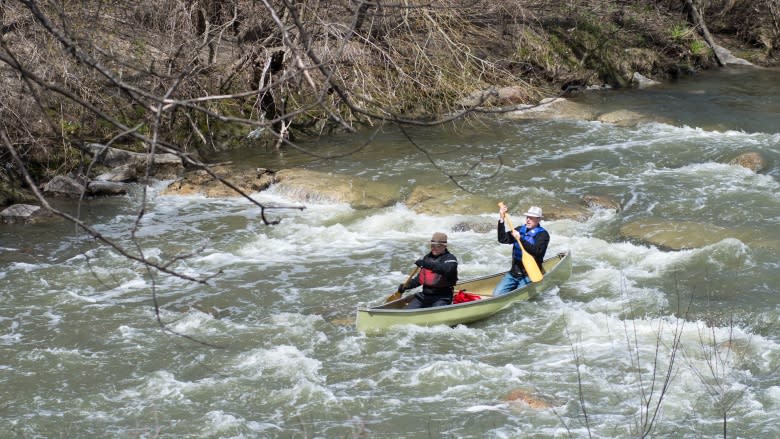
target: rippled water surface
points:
(82, 355)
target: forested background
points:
(194, 77)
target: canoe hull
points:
(378, 319)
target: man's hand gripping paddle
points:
(397, 295)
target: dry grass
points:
(200, 75)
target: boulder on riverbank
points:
(64, 186)
(641, 81)
(121, 174)
(106, 188)
(69, 187)
(24, 213)
(163, 166)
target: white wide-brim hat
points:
(534, 211)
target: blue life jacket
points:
(527, 236)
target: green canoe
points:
(377, 319)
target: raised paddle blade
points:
(529, 263)
(397, 295)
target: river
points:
(271, 349)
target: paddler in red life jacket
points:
(438, 274)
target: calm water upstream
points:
(81, 354)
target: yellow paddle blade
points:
(531, 267)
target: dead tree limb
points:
(698, 19)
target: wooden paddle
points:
(529, 263)
(397, 295)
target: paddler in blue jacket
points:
(438, 274)
(535, 240)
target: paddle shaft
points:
(529, 263)
(411, 275)
(397, 295)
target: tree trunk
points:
(698, 19)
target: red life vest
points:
(431, 279)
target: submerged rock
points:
(473, 226)
(343, 321)
(200, 182)
(751, 160)
(556, 108)
(573, 212)
(307, 185)
(602, 202)
(447, 200)
(680, 235)
(674, 235)
(528, 398)
(625, 118)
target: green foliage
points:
(681, 33)
(69, 128)
(138, 46)
(699, 48)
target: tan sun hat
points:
(534, 211)
(439, 238)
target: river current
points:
(681, 343)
